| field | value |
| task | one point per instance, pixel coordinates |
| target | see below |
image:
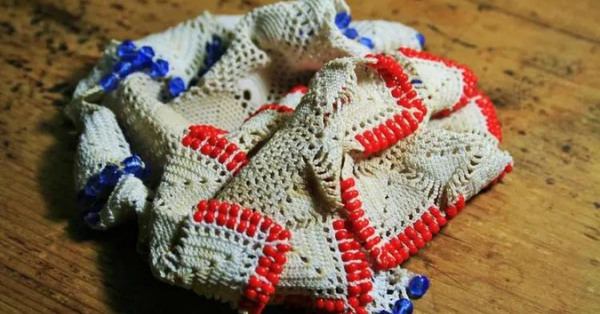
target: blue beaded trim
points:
(98, 188)
(417, 287)
(342, 21)
(131, 59)
(214, 51)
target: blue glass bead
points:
(403, 306)
(416, 81)
(159, 68)
(123, 68)
(418, 286)
(133, 165)
(365, 41)
(109, 82)
(342, 20)
(216, 42)
(176, 86)
(110, 175)
(143, 58)
(126, 50)
(421, 39)
(92, 218)
(86, 197)
(351, 33)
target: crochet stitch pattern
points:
(298, 157)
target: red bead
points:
(329, 305)
(361, 310)
(273, 278)
(202, 205)
(222, 143)
(206, 149)
(366, 286)
(339, 305)
(186, 141)
(231, 148)
(275, 230)
(280, 259)
(276, 268)
(350, 268)
(242, 226)
(268, 289)
(344, 246)
(198, 216)
(410, 232)
(353, 277)
(263, 298)
(451, 211)
(269, 250)
(354, 290)
(353, 302)
(418, 241)
(209, 217)
(195, 144)
(241, 156)
(213, 205)
(223, 158)
(283, 248)
(359, 224)
(231, 165)
(246, 213)
(365, 299)
(284, 235)
(349, 195)
(254, 282)
(460, 204)
(266, 224)
(419, 226)
(264, 261)
(372, 242)
(340, 235)
(356, 214)
(353, 205)
(338, 224)
(346, 184)
(221, 220)
(320, 303)
(263, 271)
(255, 218)
(250, 293)
(366, 233)
(251, 231)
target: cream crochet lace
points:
(285, 156)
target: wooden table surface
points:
(530, 245)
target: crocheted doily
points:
(296, 156)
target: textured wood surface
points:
(530, 245)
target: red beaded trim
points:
(275, 107)
(300, 88)
(400, 125)
(489, 112)
(398, 249)
(469, 78)
(356, 266)
(210, 142)
(261, 285)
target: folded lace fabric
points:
(266, 192)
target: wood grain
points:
(530, 245)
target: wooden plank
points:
(530, 245)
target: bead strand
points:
(261, 285)
(210, 142)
